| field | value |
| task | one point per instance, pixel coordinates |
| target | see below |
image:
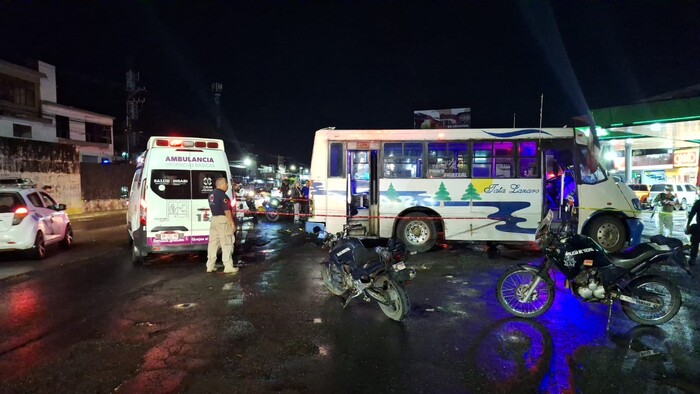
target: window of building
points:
(448, 160)
(21, 131)
(98, 133)
(17, 91)
(336, 160)
(62, 127)
(403, 160)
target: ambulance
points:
(168, 209)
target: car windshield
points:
(9, 202)
(659, 187)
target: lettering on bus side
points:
(514, 189)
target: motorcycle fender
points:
(404, 275)
(536, 271)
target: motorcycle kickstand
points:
(610, 303)
(347, 300)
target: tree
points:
(442, 195)
(470, 194)
(391, 194)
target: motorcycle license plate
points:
(399, 266)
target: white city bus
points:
(427, 186)
(168, 210)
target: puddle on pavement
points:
(186, 305)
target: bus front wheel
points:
(608, 232)
(417, 231)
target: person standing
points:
(667, 202)
(221, 228)
(306, 203)
(296, 199)
(694, 231)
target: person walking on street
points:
(296, 199)
(667, 202)
(221, 228)
(694, 231)
(306, 203)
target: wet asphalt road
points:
(87, 321)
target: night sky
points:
(290, 68)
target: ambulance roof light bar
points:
(188, 142)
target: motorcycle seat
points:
(634, 255)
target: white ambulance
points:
(168, 209)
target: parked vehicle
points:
(594, 275)
(30, 219)
(485, 185)
(275, 208)
(641, 190)
(352, 270)
(685, 192)
(168, 210)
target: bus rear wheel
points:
(417, 231)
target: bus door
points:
(559, 180)
(363, 187)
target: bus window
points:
(527, 154)
(336, 160)
(481, 167)
(447, 160)
(503, 159)
(403, 160)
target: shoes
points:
(211, 270)
(231, 270)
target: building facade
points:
(29, 109)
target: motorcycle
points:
(594, 275)
(277, 207)
(352, 270)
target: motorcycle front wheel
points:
(654, 289)
(398, 304)
(272, 216)
(512, 289)
(332, 278)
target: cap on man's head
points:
(668, 188)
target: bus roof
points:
(444, 134)
(184, 142)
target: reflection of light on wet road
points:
(19, 313)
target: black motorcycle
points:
(352, 270)
(594, 275)
(277, 207)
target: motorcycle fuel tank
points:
(579, 252)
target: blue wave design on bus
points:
(505, 212)
(517, 133)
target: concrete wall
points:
(46, 164)
(101, 185)
(41, 130)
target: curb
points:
(87, 215)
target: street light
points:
(292, 168)
(247, 162)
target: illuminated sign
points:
(685, 158)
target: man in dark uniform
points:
(694, 231)
(221, 228)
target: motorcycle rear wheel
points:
(655, 289)
(333, 279)
(399, 304)
(511, 290)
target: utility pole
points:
(216, 89)
(134, 103)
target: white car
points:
(30, 219)
(685, 192)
